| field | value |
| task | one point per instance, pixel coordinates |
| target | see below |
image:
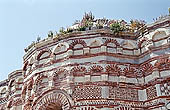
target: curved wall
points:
(92, 70)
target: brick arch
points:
(10, 103)
(25, 66)
(20, 80)
(113, 69)
(96, 69)
(52, 97)
(146, 69)
(4, 89)
(30, 83)
(123, 108)
(39, 85)
(159, 32)
(95, 42)
(163, 63)
(128, 44)
(59, 75)
(40, 76)
(60, 71)
(59, 48)
(12, 82)
(24, 90)
(114, 41)
(79, 41)
(131, 72)
(141, 42)
(41, 52)
(88, 108)
(18, 102)
(78, 70)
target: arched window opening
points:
(59, 51)
(12, 87)
(128, 48)
(78, 49)
(43, 57)
(19, 83)
(111, 47)
(60, 48)
(159, 38)
(3, 92)
(59, 77)
(54, 106)
(41, 84)
(95, 47)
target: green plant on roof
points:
(81, 28)
(63, 31)
(69, 30)
(117, 27)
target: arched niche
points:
(60, 50)
(78, 49)
(59, 76)
(43, 56)
(111, 45)
(95, 46)
(128, 47)
(12, 86)
(41, 84)
(25, 67)
(96, 69)
(3, 92)
(159, 38)
(78, 44)
(159, 35)
(57, 99)
(32, 63)
(19, 82)
(61, 47)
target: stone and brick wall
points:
(93, 70)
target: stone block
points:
(104, 77)
(86, 50)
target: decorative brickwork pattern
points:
(87, 92)
(165, 89)
(123, 108)
(40, 84)
(130, 72)
(151, 92)
(111, 41)
(123, 93)
(146, 69)
(96, 69)
(78, 71)
(163, 64)
(75, 42)
(113, 69)
(59, 76)
(87, 108)
(18, 102)
(54, 98)
(93, 66)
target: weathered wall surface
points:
(93, 70)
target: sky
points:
(22, 21)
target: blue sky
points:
(21, 21)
